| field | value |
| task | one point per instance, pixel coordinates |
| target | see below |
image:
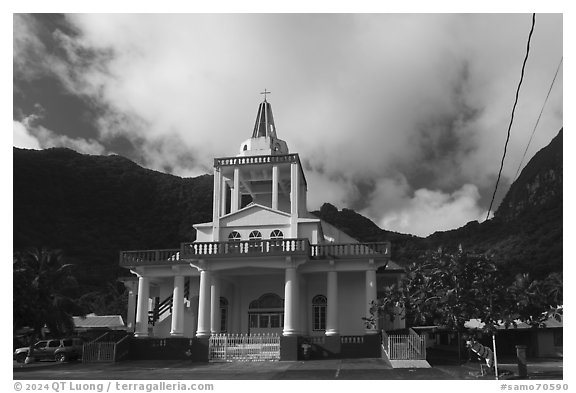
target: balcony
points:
(350, 250)
(247, 248)
(150, 257)
(252, 249)
(251, 160)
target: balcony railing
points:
(254, 248)
(246, 248)
(143, 257)
(250, 160)
(351, 250)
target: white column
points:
(371, 294)
(142, 308)
(332, 307)
(178, 307)
(216, 204)
(294, 184)
(224, 193)
(291, 302)
(215, 305)
(204, 305)
(275, 187)
(132, 287)
(236, 198)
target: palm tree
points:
(44, 287)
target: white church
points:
(263, 266)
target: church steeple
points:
(264, 125)
(264, 140)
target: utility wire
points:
(512, 116)
(537, 121)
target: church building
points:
(264, 265)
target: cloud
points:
(29, 135)
(322, 189)
(48, 138)
(23, 139)
(426, 211)
(418, 102)
(30, 54)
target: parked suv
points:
(60, 350)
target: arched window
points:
(267, 301)
(255, 235)
(223, 315)
(276, 240)
(254, 242)
(319, 312)
(266, 312)
(234, 237)
(276, 234)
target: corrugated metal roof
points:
(476, 324)
(100, 321)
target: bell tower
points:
(264, 173)
(264, 140)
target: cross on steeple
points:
(265, 92)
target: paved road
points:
(346, 369)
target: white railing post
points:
(240, 347)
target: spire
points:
(264, 126)
(264, 140)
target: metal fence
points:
(98, 352)
(244, 347)
(405, 347)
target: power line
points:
(537, 121)
(512, 116)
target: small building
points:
(263, 265)
(543, 341)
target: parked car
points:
(60, 350)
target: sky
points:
(401, 117)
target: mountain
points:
(91, 207)
(539, 186)
(404, 247)
(525, 234)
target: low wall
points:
(342, 347)
(291, 348)
(172, 348)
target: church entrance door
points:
(266, 322)
(266, 315)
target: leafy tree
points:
(112, 299)
(448, 289)
(44, 289)
(534, 301)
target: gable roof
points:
(393, 266)
(255, 214)
(335, 235)
(245, 211)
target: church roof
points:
(393, 266)
(264, 126)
